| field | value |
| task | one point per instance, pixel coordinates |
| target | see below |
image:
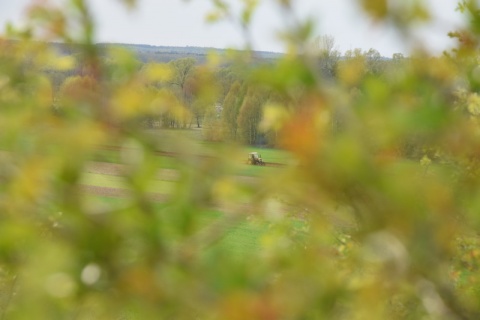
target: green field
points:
(108, 181)
(238, 237)
(171, 156)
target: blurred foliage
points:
(376, 216)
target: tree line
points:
(233, 110)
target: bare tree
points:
(375, 63)
(327, 55)
(325, 43)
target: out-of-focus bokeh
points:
(235, 184)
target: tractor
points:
(254, 158)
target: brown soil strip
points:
(274, 164)
(177, 154)
(157, 152)
(120, 193)
(115, 169)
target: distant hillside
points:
(145, 54)
(149, 53)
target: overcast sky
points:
(182, 23)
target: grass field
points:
(240, 237)
(114, 156)
(185, 143)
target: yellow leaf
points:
(214, 59)
(376, 8)
(31, 180)
(44, 93)
(474, 104)
(158, 72)
(274, 116)
(62, 63)
(425, 161)
(129, 102)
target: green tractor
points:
(254, 158)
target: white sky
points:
(182, 23)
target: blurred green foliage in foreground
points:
(376, 216)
